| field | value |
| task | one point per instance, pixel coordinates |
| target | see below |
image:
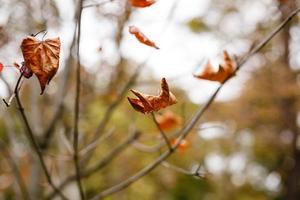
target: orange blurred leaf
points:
(1, 67)
(141, 37)
(148, 103)
(142, 3)
(225, 71)
(168, 120)
(182, 145)
(42, 58)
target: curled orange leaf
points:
(145, 103)
(225, 71)
(142, 3)
(42, 58)
(141, 37)
(168, 120)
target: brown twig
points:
(102, 163)
(15, 170)
(77, 101)
(161, 132)
(127, 182)
(33, 141)
(195, 173)
(97, 4)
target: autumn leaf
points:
(168, 120)
(1, 67)
(145, 103)
(141, 37)
(142, 3)
(225, 71)
(42, 58)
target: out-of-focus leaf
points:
(225, 71)
(141, 37)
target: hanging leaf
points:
(142, 3)
(141, 37)
(1, 67)
(148, 103)
(42, 58)
(168, 120)
(225, 71)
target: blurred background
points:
(247, 145)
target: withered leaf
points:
(226, 70)
(145, 103)
(42, 58)
(142, 3)
(141, 37)
(168, 120)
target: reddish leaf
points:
(142, 3)
(225, 71)
(148, 103)
(141, 37)
(1, 67)
(168, 120)
(182, 145)
(42, 58)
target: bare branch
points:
(77, 101)
(161, 131)
(127, 182)
(15, 170)
(102, 163)
(30, 135)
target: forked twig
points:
(127, 182)
(31, 137)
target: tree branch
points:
(102, 163)
(127, 182)
(77, 101)
(30, 135)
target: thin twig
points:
(33, 141)
(102, 163)
(77, 101)
(97, 4)
(161, 131)
(127, 182)
(15, 170)
(195, 173)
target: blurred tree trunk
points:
(288, 108)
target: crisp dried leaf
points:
(142, 3)
(141, 37)
(168, 120)
(148, 103)
(226, 70)
(42, 58)
(1, 67)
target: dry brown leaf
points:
(226, 70)
(42, 58)
(142, 3)
(141, 37)
(168, 120)
(149, 103)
